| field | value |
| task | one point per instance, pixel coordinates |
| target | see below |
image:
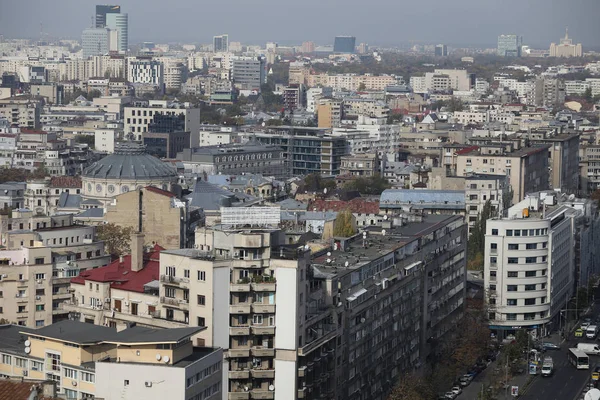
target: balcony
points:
(175, 281)
(61, 296)
(239, 309)
(239, 374)
(263, 330)
(239, 330)
(240, 287)
(263, 308)
(251, 241)
(262, 394)
(302, 351)
(238, 395)
(263, 287)
(263, 373)
(259, 351)
(178, 303)
(239, 352)
(302, 392)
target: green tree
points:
(588, 94)
(315, 183)
(412, 387)
(85, 139)
(362, 87)
(368, 185)
(116, 238)
(476, 243)
(344, 225)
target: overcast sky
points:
(380, 22)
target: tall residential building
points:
(549, 92)
(526, 167)
(344, 44)
(448, 79)
(120, 24)
(23, 113)
(536, 257)
(148, 72)
(441, 50)
(249, 72)
(221, 43)
(563, 159)
(308, 47)
(102, 11)
(509, 45)
(329, 113)
(94, 42)
(138, 119)
(566, 48)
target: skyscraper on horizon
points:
(119, 23)
(344, 44)
(95, 42)
(441, 50)
(509, 45)
(102, 11)
(221, 43)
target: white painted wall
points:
(286, 332)
(285, 380)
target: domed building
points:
(129, 168)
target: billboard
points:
(252, 216)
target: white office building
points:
(120, 24)
(146, 71)
(530, 264)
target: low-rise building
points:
(364, 165)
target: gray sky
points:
(383, 22)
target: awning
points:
(356, 294)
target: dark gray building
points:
(344, 44)
(249, 72)
(235, 159)
(102, 10)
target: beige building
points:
(351, 81)
(367, 164)
(526, 167)
(23, 113)
(566, 48)
(329, 113)
(164, 221)
(87, 361)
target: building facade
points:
(509, 45)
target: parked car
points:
(585, 325)
(465, 381)
(450, 395)
(456, 390)
(550, 346)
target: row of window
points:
(524, 274)
(515, 288)
(522, 246)
(206, 372)
(214, 389)
(524, 316)
(247, 157)
(523, 232)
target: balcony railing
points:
(260, 351)
(239, 395)
(239, 309)
(263, 330)
(263, 373)
(263, 308)
(262, 394)
(239, 374)
(174, 280)
(239, 330)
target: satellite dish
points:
(329, 261)
(158, 357)
(166, 359)
(263, 124)
(27, 343)
(328, 254)
(245, 388)
(271, 388)
(385, 217)
(383, 232)
(27, 350)
(364, 234)
(346, 264)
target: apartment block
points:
(589, 168)
(481, 188)
(23, 113)
(87, 361)
(563, 158)
(526, 167)
(329, 113)
(249, 73)
(147, 72)
(364, 165)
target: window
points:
(530, 260)
(88, 377)
(52, 362)
(529, 316)
(201, 321)
(513, 260)
(170, 271)
(201, 275)
(493, 246)
(517, 232)
(529, 287)
(70, 373)
(493, 260)
(530, 274)
(495, 232)
(511, 317)
(186, 273)
(126, 382)
(511, 288)
(37, 366)
(529, 302)
(511, 302)
(170, 292)
(512, 274)
(21, 362)
(531, 246)
(492, 273)
(513, 246)
(257, 319)
(39, 307)
(70, 394)
(134, 308)
(492, 288)
(39, 292)
(201, 300)
(6, 359)
(40, 276)
(509, 232)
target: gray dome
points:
(130, 163)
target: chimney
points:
(137, 251)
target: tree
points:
(315, 182)
(368, 185)
(116, 238)
(412, 387)
(344, 225)
(362, 87)
(85, 139)
(476, 242)
(588, 94)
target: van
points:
(589, 348)
(591, 331)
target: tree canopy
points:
(344, 226)
(368, 185)
(476, 243)
(21, 175)
(117, 239)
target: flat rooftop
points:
(197, 354)
(522, 152)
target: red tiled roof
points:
(120, 274)
(467, 150)
(159, 191)
(15, 390)
(37, 131)
(356, 206)
(66, 182)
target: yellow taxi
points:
(596, 374)
(579, 333)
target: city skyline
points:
(400, 24)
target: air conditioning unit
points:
(38, 297)
(148, 384)
(126, 303)
(24, 373)
(40, 281)
(107, 300)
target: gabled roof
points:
(120, 275)
(91, 213)
(68, 200)
(18, 390)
